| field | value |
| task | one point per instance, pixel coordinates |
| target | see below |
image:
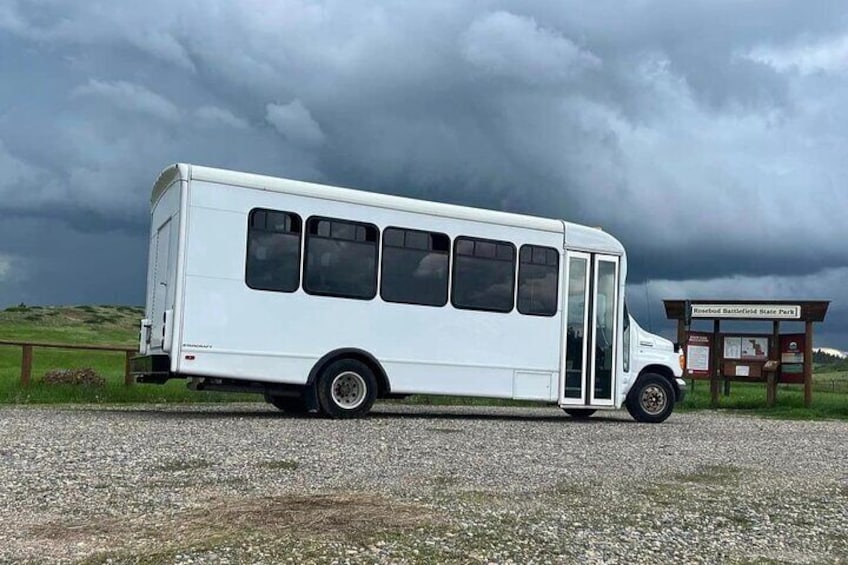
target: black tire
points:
(347, 388)
(289, 404)
(651, 400)
(579, 413)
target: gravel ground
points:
(244, 483)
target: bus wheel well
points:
(352, 353)
(665, 373)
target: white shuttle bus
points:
(326, 299)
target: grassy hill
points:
(76, 325)
(104, 325)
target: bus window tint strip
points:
(273, 250)
(341, 258)
(484, 275)
(414, 267)
(538, 280)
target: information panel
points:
(792, 358)
(753, 347)
(698, 351)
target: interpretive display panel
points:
(792, 358)
(698, 352)
(744, 356)
(753, 347)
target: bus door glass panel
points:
(577, 324)
(625, 337)
(604, 330)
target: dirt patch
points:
(321, 515)
(326, 517)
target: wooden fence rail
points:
(27, 350)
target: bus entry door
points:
(590, 330)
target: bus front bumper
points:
(681, 389)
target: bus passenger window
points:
(273, 250)
(415, 267)
(483, 275)
(341, 258)
(538, 280)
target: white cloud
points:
(10, 18)
(215, 116)
(508, 45)
(295, 122)
(149, 28)
(12, 269)
(815, 55)
(16, 172)
(164, 46)
(5, 267)
(24, 186)
(130, 96)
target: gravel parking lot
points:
(244, 483)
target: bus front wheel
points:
(651, 399)
(347, 388)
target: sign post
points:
(716, 366)
(771, 385)
(808, 365)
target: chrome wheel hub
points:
(653, 399)
(348, 390)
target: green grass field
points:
(117, 325)
(750, 398)
(89, 325)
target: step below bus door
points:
(590, 330)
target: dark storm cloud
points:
(708, 136)
(644, 299)
(51, 262)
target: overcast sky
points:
(709, 137)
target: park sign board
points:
(777, 357)
(747, 311)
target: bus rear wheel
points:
(579, 413)
(347, 388)
(651, 399)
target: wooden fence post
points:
(26, 365)
(128, 378)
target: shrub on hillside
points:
(85, 376)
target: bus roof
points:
(575, 235)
